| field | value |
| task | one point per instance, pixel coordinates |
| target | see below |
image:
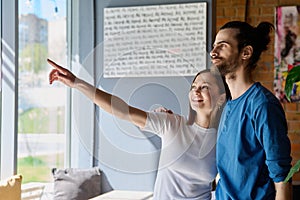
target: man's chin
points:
(214, 68)
(218, 68)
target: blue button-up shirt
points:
(253, 149)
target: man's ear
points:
(247, 52)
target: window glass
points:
(41, 107)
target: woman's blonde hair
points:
(222, 89)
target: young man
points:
(253, 149)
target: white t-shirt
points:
(187, 164)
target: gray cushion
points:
(76, 184)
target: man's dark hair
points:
(257, 37)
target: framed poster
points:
(287, 49)
(155, 40)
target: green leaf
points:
(293, 170)
(292, 77)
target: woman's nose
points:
(197, 91)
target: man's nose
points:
(213, 53)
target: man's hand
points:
(283, 191)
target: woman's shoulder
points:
(167, 116)
(164, 123)
(172, 120)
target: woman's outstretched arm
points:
(110, 103)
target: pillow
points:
(10, 188)
(76, 184)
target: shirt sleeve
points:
(161, 123)
(272, 134)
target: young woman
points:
(187, 165)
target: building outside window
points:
(41, 107)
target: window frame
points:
(80, 34)
(9, 87)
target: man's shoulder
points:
(261, 94)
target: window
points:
(25, 74)
(41, 107)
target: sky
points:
(46, 9)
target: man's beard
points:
(226, 68)
(223, 69)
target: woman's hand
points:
(61, 74)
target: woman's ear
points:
(221, 100)
(247, 52)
